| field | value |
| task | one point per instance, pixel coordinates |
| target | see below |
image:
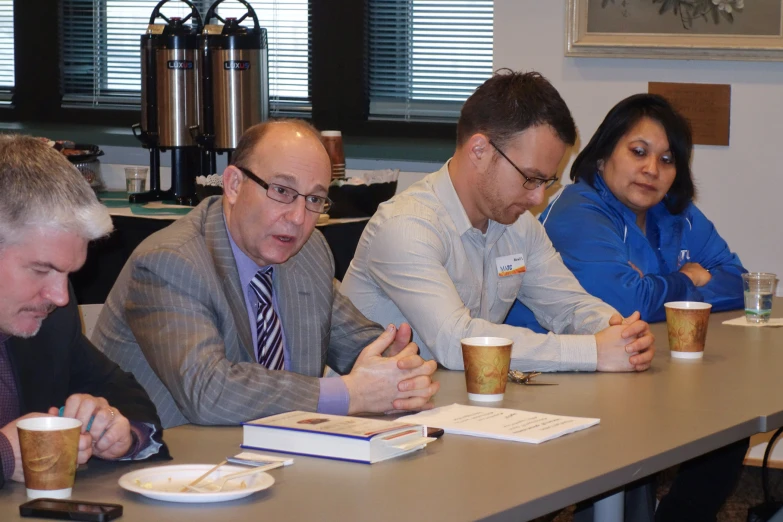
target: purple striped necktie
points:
(269, 351)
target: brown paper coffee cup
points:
(487, 360)
(687, 324)
(333, 142)
(49, 446)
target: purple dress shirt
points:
(9, 407)
(333, 397)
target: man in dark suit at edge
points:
(48, 215)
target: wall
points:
(739, 186)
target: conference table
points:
(677, 410)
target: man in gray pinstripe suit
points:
(182, 315)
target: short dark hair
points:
(620, 120)
(253, 136)
(510, 102)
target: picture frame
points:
(675, 29)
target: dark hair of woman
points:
(620, 120)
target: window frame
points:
(339, 87)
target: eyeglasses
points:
(530, 183)
(288, 195)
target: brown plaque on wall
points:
(706, 106)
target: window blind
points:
(427, 56)
(6, 50)
(101, 60)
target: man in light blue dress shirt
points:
(452, 252)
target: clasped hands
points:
(389, 375)
(626, 345)
(109, 437)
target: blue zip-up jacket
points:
(597, 236)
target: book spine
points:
(319, 455)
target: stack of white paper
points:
(500, 423)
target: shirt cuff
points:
(333, 398)
(143, 445)
(7, 457)
(578, 353)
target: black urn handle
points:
(212, 13)
(193, 13)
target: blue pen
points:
(89, 424)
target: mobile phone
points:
(70, 510)
(434, 432)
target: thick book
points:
(356, 439)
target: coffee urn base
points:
(152, 195)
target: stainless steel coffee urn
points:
(170, 102)
(235, 79)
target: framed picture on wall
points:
(681, 29)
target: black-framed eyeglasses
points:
(288, 195)
(530, 183)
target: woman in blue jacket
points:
(628, 228)
(629, 231)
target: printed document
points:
(500, 423)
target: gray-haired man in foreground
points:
(48, 214)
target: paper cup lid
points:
(687, 305)
(48, 423)
(486, 341)
(331, 134)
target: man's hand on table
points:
(626, 345)
(400, 381)
(109, 437)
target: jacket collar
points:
(216, 238)
(600, 187)
(659, 215)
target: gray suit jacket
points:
(176, 318)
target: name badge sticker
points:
(510, 265)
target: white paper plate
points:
(165, 482)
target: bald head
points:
(274, 160)
(297, 131)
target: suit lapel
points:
(217, 241)
(284, 286)
(295, 300)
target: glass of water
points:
(135, 179)
(759, 290)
